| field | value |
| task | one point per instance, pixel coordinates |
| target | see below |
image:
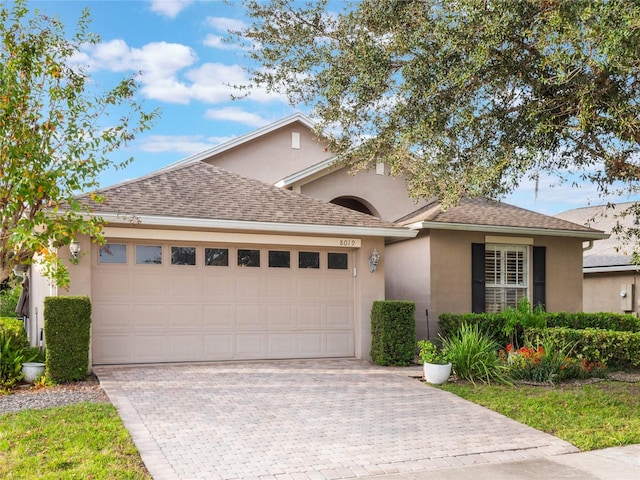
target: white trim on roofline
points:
(612, 268)
(307, 172)
(199, 156)
(144, 220)
(509, 230)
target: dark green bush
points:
(615, 349)
(9, 301)
(603, 320)
(67, 329)
(393, 332)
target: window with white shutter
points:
(506, 276)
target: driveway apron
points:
(307, 420)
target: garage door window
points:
(279, 259)
(183, 255)
(337, 261)
(308, 259)
(113, 253)
(248, 258)
(148, 254)
(216, 257)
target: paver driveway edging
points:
(307, 420)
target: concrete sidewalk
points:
(330, 420)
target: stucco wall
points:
(408, 277)
(387, 195)
(271, 157)
(564, 273)
(602, 292)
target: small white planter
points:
(32, 370)
(436, 374)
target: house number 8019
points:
(347, 242)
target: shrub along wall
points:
(614, 348)
(393, 332)
(67, 329)
(13, 328)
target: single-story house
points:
(610, 277)
(261, 248)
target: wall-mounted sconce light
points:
(74, 249)
(374, 259)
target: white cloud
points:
(216, 41)
(169, 8)
(182, 144)
(224, 24)
(234, 114)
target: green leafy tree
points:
(56, 133)
(464, 97)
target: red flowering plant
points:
(546, 363)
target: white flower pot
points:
(32, 370)
(436, 374)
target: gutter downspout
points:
(588, 247)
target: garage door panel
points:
(280, 316)
(112, 348)
(338, 288)
(250, 345)
(339, 316)
(185, 347)
(169, 313)
(280, 286)
(248, 286)
(113, 283)
(218, 317)
(185, 316)
(217, 284)
(154, 284)
(249, 316)
(110, 317)
(309, 316)
(309, 286)
(339, 343)
(186, 286)
(283, 345)
(151, 317)
(219, 347)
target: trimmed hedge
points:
(393, 332)
(14, 328)
(614, 348)
(493, 323)
(67, 329)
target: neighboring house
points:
(204, 264)
(609, 275)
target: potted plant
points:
(436, 365)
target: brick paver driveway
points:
(306, 420)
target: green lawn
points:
(594, 416)
(81, 441)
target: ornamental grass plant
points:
(474, 356)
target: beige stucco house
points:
(610, 277)
(261, 248)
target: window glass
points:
(113, 253)
(148, 254)
(183, 255)
(248, 258)
(337, 261)
(216, 257)
(308, 259)
(279, 259)
(506, 276)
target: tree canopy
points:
(57, 130)
(465, 97)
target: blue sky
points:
(177, 45)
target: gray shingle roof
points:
(608, 252)
(203, 191)
(482, 211)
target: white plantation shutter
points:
(506, 276)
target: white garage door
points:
(168, 302)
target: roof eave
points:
(509, 230)
(611, 269)
(313, 229)
(325, 165)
